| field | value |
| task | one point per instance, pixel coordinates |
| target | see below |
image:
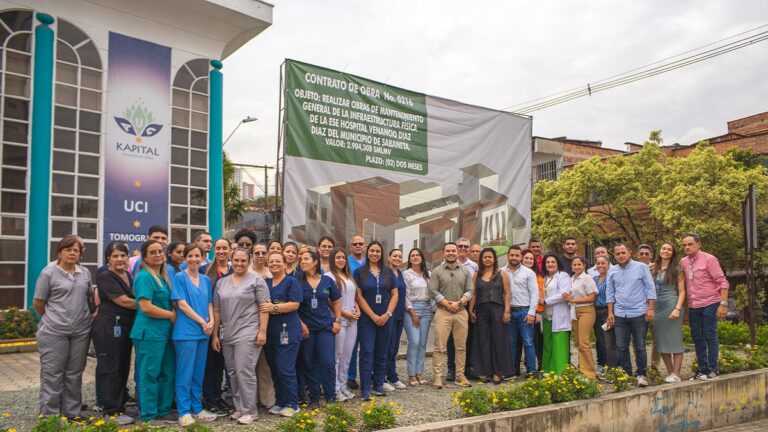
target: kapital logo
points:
(138, 121)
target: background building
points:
(53, 124)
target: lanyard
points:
(378, 276)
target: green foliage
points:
(197, 427)
(537, 393)
(233, 205)
(509, 399)
(647, 197)
(738, 334)
(301, 422)
(618, 378)
(474, 402)
(729, 362)
(53, 424)
(377, 416)
(17, 323)
(570, 385)
(337, 419)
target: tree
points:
(647, 197)
(234, 206)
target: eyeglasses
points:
(463, 246)
(155, 252)
(245, 244)
(358, 244)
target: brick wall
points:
(749, 125)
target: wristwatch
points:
(724, 303)
(276, 308)
(389, 314)
(338, 320)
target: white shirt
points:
(556, 307)
(523, 288)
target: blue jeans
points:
(703, 323)
(417, 337)
(636, 328)
(394, 346)
(520, 330)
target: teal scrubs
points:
(155, 356)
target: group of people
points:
(281, 325)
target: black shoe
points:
(218, 409)
(451, 375)
(131, 401)
(472, 377)
(314, 406)
(353, 385)
(170, 418)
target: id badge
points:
(690, 275)
(314, 303)
(284, 337)
(378, 298)
(117, 331)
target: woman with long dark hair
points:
(64, 300)
(259, 262)
(151, 335)
(320, 314)
(419, 314)
(668, 310)
(582, 300)
(557, 316)
(111, 331)
(398, 321)
(489, 310)
(347, 336)
(219, 267)
(605, 340)
(529, 260)
(377, 298)
(291, 254)
(174, 256)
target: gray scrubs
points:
(63, 338)
(239, 308)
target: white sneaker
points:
(246, 419)
(642, 381)
(348, 393)
(387, 387)
(206, 416)
(275, 410)
(399, 385)
(236, 415)
(340, 396)
(672, 378)
(186, 420)
(289, 412)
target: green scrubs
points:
(155, 356)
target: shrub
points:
(729, 362)
(536, 392)
(337, 419)
(301, 422)
(738, 334)
(509, 399)
(474, 402)
(377, 416)
(17, 323)
(618, 378)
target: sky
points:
(500, 53)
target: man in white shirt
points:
(599, 251)
(524, 295)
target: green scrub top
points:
(145, 327)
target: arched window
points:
(77, 140)
(16, 76)
(189, 150)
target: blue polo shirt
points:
(288, 290)
(198, 298)
(320, 318)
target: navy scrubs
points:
(317, 355)
(282, 352)
(374, 339)
(398, 320)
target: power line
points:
(643, 71)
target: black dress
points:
(490, 351)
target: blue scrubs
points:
(318, 352)
(282, 357)
(398, 321)
(190, 341)
(374, 340)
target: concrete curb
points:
(692, 405)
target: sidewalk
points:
(21, 371)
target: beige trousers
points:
(447, 323)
